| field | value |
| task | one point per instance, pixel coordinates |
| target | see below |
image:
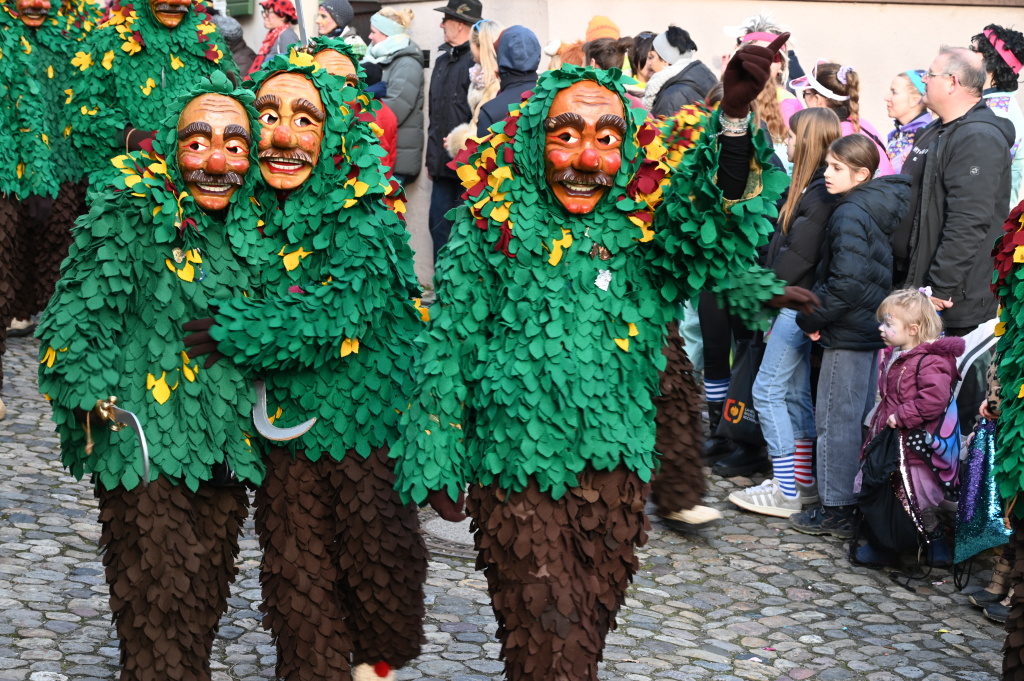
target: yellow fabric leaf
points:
(176, 63)
(156, 210)
(623, 344)
(558, 246)
(633, 331)
(1000, 328)
(291, 260)
(360, 188)
(82, 60)
(148, 87)
(26, 47)
(348, 346)
(49, 72)
(48, 357)
(187, 273)
(67, 130)
(424, 312)
(158, 386)
(349, 203)
(1018, 254)
(21, 170)
(1020, 395)
(70, 93)
(108, 60)
(500, 213)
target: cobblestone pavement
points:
(746, 599)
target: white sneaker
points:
(767, 499)
(808, 494)
(696, 516)
(366, 672)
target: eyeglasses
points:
(929, 75)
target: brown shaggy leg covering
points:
(53, 241)
(343, 565)
(1013, 647)
(383, 562)
(295, 520)
(679, 483)
(169, 557)
(8, 246)
(33, 217)
(558, 571)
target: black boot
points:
(716, 448)
(743, 460)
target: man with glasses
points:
(960, 170)
(448, 107)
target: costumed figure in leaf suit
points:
(1009, 460)
(167, 238)
(37, 42)
(332, 335)
(132, 69)
(582, 230)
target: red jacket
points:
(918, 385)
(386, 121)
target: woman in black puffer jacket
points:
(853, 277)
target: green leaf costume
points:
(49, 49)
(132, 69)
(333, 328)
(543, 356)
(145, 260)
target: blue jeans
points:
(443, 197)
(846, 393)
(782, 389)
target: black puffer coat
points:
(855, 272)
(794, 255)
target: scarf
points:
(659, 79)
(268, 44)
(382, 52)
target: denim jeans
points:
(443, 197)
(693, 342)
(782, 389)
(846, 393)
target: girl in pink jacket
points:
(917, 374)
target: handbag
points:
(739, 418)
(979, 515)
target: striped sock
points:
(782, 471)
(804, 466)
(715, 390)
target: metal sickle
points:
(267, 429)
(121, 419)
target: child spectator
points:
(782, 389)
(838, 87)
(917, 373)
(854, 276)
(905, 105)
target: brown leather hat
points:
(466, 11)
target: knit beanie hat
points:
(602, 27)
(228, 27)
(340, 11)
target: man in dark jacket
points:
(679, 78)
(960, 167)
(448, 107)
(518, 52)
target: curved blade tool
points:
(267, 429)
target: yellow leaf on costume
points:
(67, 130)
(291, 260)
(108, 60)
(633, 331)
(500, 213)
(90, 112)
(132, 180)
(467, 173)
(348, 346)
(193, 256)
(1000, 329)
(400, 207)
(1018, 254)
(206, 27)
(176, 63)
(70, 93)
(45, 138)
(360, 188)
(623, 344)
(82, 60)
(424, 312)
(301, 58)
(377, 130)
(21, 170)
(26, 47)
(131, 47)
(1020, 395)
(48, 357)
(349, 203)
(558, 245)
(276, 416)
(49, 72)
(187, 273)
(161, 392)
(148, 87)
(157, 209)
(170, 265)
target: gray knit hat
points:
(228, 27)
(339, 10)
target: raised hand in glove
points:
(795, 298)
(452, 511)
(200, 342)
(746, 74)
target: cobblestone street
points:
(746, 598)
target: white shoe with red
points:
(381, 671)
